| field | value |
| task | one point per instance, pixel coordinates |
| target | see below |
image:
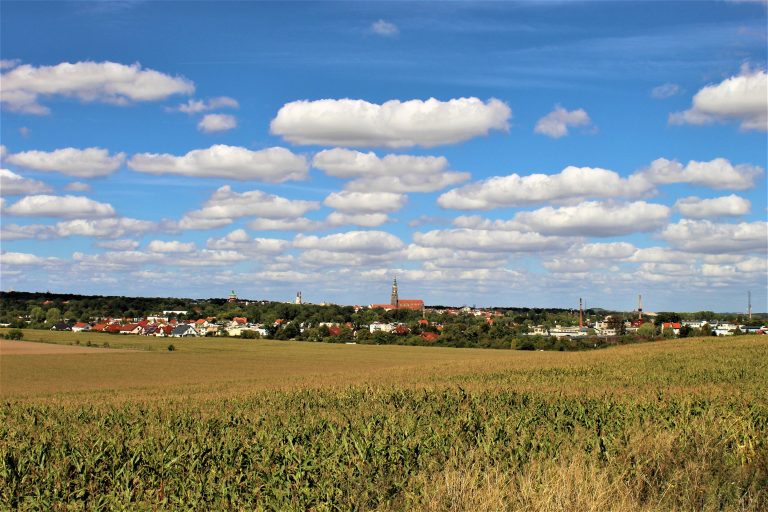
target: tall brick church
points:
(395, 302)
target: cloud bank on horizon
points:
(449, 148)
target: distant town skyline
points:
(498, 154)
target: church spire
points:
(393, 298)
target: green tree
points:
(647, 330)
(52, 316)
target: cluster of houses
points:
(164, 327)
(608, 327)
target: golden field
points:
(227, 424)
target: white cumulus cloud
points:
(123, 244)
(77, 186)
(194, 106)
(173, 246)
(351, 241)
(742, 98)
(594, 218)
(106, 82)
(366, 220)
(225, 205)
(214, 123)
(299, 224)
(82, 163)
(556, 123)
(104, 228)
(705, 236)
(365, 202)
(273, 165)
(395, 123)
(489, 240)
(11, 184)
(59, 206)
(572, 183)
(391, 173)
(726, 206)
(718, 173)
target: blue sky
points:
(511, 154)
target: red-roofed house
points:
(430, 336)
(81, 326)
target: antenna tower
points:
(640, 306)
(581, 315)
(749, 304)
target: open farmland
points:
(232, 424)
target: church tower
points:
(393, 298)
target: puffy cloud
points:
(82, 163)
(104, 228)
(704, 236)
(26, 232)
(589, 257)
(118, 245)
(349, 122)
(478, 222)
(718, 173)
(9, 63)
(572, 183)
(664, 91)
(273, 165)
(365, 202)
(346, 163)
(743, 98)
(659, 255)
(488, 240)
(612, 250)
(195, 223)
(240, 241)
(384, 28)
(225, 205)
(11, 184)
(78, 186)
(441, 257)
(321, 258)
(24, 259)
(300, 224)
(173, 246)
(214, 123)
(596, 219)
(59, 206)
(725, 206)
(351, 241)
(106, 82)
(556, 123)
(367, 220)
(392, 173)
(194, 106)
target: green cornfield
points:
(669, 426)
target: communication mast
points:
(581, 315)
(640, 307)
(749, 305)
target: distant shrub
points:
(171, 347)
(106, 345)
(249, 335)
(89, 344)
(14, 334)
